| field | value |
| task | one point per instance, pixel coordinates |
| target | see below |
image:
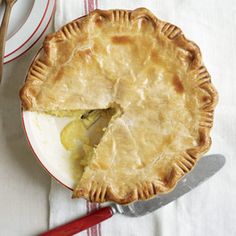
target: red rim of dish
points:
(27, 137)
(36, 156)
(40, 23)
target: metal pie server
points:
(205, 168)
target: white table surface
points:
(24, 185)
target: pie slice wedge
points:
(154, 79)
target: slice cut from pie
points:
(153, 78)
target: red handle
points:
(81, 224)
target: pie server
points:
(205, 168)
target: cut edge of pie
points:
(40, 69)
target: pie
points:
(152, 78)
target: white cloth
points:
(24, 185)
(209, 209)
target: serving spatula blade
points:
(205, 168)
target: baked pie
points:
(151, 82)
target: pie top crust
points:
(156, 78)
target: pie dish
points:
(152, 78)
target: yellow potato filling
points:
(82, 135)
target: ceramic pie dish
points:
(28, 21)
(152, 86)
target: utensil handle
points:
(81, 224)
(3, 31)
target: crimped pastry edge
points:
(188, 158)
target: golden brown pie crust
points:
(145, 62)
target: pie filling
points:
(83, 134)
(157, 76)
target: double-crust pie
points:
(152, 82)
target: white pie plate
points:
(43, 135)
(29, 19)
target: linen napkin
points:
(209, 209)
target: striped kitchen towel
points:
(209, 209)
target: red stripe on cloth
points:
(87, 208)
(99, 226)
(96, 229)
(87, 203)
(90, 5)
